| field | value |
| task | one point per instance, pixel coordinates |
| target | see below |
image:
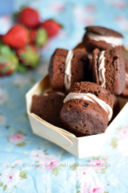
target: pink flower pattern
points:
(44, 161)
(37, 155)
(16, 138)
(97, 164)
(123, 133)
(51, 162)
(88, 180)
(10, 177)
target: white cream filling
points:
(114, 41)
(90, 56)
(90, 97)
(60, 93)
(67, 73)
(45, 94)
(126, 76)
(101, 69)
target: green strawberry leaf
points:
(30, 56)
(3, 60)
(41, 37)
(6, 50)
(8, 59)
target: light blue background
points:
(75, 15)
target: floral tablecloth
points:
(30, 164)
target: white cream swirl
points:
(67, 72)
(92, 98)
(101, 69)
(114, 41)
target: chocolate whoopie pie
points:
(48, 106)
(87, 109)
(67, 67)
(101, 37)
(109, 69)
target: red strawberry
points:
(38, 37)
(29, 17)
(29, 56)
(52, 27)
(16, 37)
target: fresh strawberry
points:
(38, 37)
(6, 69)
(16, 37)
(8, 61)
(29, 56)
(29, 17)
(52, 27)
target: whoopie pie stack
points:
(85, 83)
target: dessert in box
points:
(87, 109)
(109, 69)
(48, 105)
(63, 138)
(102, 38)
(84, 113)
(67, 66)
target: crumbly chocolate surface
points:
(84, 117)
(79, 67)
(48, 106)
(114, 70)
(124, 52)
(57, 67)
